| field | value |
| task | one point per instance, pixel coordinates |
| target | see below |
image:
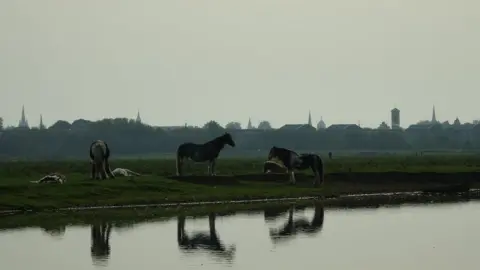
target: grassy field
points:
(343, 175)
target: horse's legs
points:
(109, 170)
(179, 164)
(292, 177)
(98, 170)
(316, 178)
(212, 167)
(92, 175)
(103, 173)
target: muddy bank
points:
(81, 192)
(357, 182)
(380, 178)
(124, 218)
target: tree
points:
(60, 125)
(213, 127)
(264, 125)
(233, 125)
(1, 123)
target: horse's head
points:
(227, 139)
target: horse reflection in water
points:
(100, 249)
(200, 240)
(294, 226)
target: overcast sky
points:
(198, 60)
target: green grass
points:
(16, 191)
(164, 167)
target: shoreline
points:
(137, 214)
(20, 195)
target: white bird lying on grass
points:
(124, 172)
(53, 178)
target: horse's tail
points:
(98, 153)
(179, 159)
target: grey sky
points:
(345, 60)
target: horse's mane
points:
(220, 138)
(275, 148)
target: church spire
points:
(23, 123)
(249, 126)
(309, 118)
(41, 126)
(138, 120)
(434, 118)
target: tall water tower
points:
(395, 117)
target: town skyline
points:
(321, 123)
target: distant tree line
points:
(130, 138)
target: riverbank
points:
(80, 191)
(239, 180)
(57, 221)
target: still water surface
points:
(440, 236)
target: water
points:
(439, 236)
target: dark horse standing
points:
(208, 151)
(291, 160)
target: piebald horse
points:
(291, 160)
(99, 155)
(208, 151)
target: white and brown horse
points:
(292, 161)
(99, 155)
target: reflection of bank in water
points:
(199, 241)
(294, 226)
(100, 248)
(54, 231)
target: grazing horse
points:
(99, 155)
(291, 160)
(208, 151)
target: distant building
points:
(170, 128)
(339, 127)
(395, 118)
(297, 127)
(321, 124)
(249, 125)
(307, 126)
(434, 117)
(23, 123)
(457, 122)
(138, 119)
(41, 126)
(310, 119)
